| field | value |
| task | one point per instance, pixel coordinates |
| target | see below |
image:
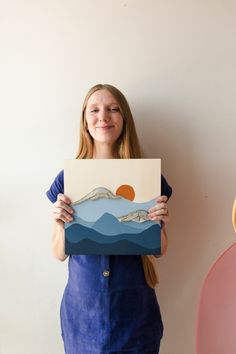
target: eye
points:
(94, 110)
(115, 109)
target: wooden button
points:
(106, 273)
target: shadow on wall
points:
(167, 134)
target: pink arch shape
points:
(216, 320)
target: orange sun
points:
(126, 191)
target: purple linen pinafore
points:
(107, 306)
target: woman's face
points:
(103, 116)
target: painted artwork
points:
(110, 198)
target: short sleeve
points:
(56, 187)
(165, 188)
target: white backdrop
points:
(175, 62)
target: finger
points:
(158, 206)
(162, 198)
(59, 213)
(63, 205)
(64, 198)
(161, 212)
(61, 218)
(164, 218)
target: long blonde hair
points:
(127, 144)
(127, 147)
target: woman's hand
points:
(159, 212)
(62, 212)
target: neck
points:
(104, 151)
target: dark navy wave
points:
(80, 239)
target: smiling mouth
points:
(106, 127)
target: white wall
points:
(175, 62)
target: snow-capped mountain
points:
(137, 216)
(97, 193)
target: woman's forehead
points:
(101, 97)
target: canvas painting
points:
(111, 198)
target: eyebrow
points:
(96, 104)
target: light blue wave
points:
(92, 210)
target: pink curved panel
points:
(234, 215)
(216, 325)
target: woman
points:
(107, 306)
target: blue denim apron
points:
(107, 307)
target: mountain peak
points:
(98, 193)
(137, 216)
(109, 225)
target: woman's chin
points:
(105, 139)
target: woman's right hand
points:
(62, 212)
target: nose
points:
(104, 115)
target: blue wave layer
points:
(93, 210)
(149, 239)
(123, 247)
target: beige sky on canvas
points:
(82, 176)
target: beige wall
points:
(175, 61)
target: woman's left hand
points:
(159, 212)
